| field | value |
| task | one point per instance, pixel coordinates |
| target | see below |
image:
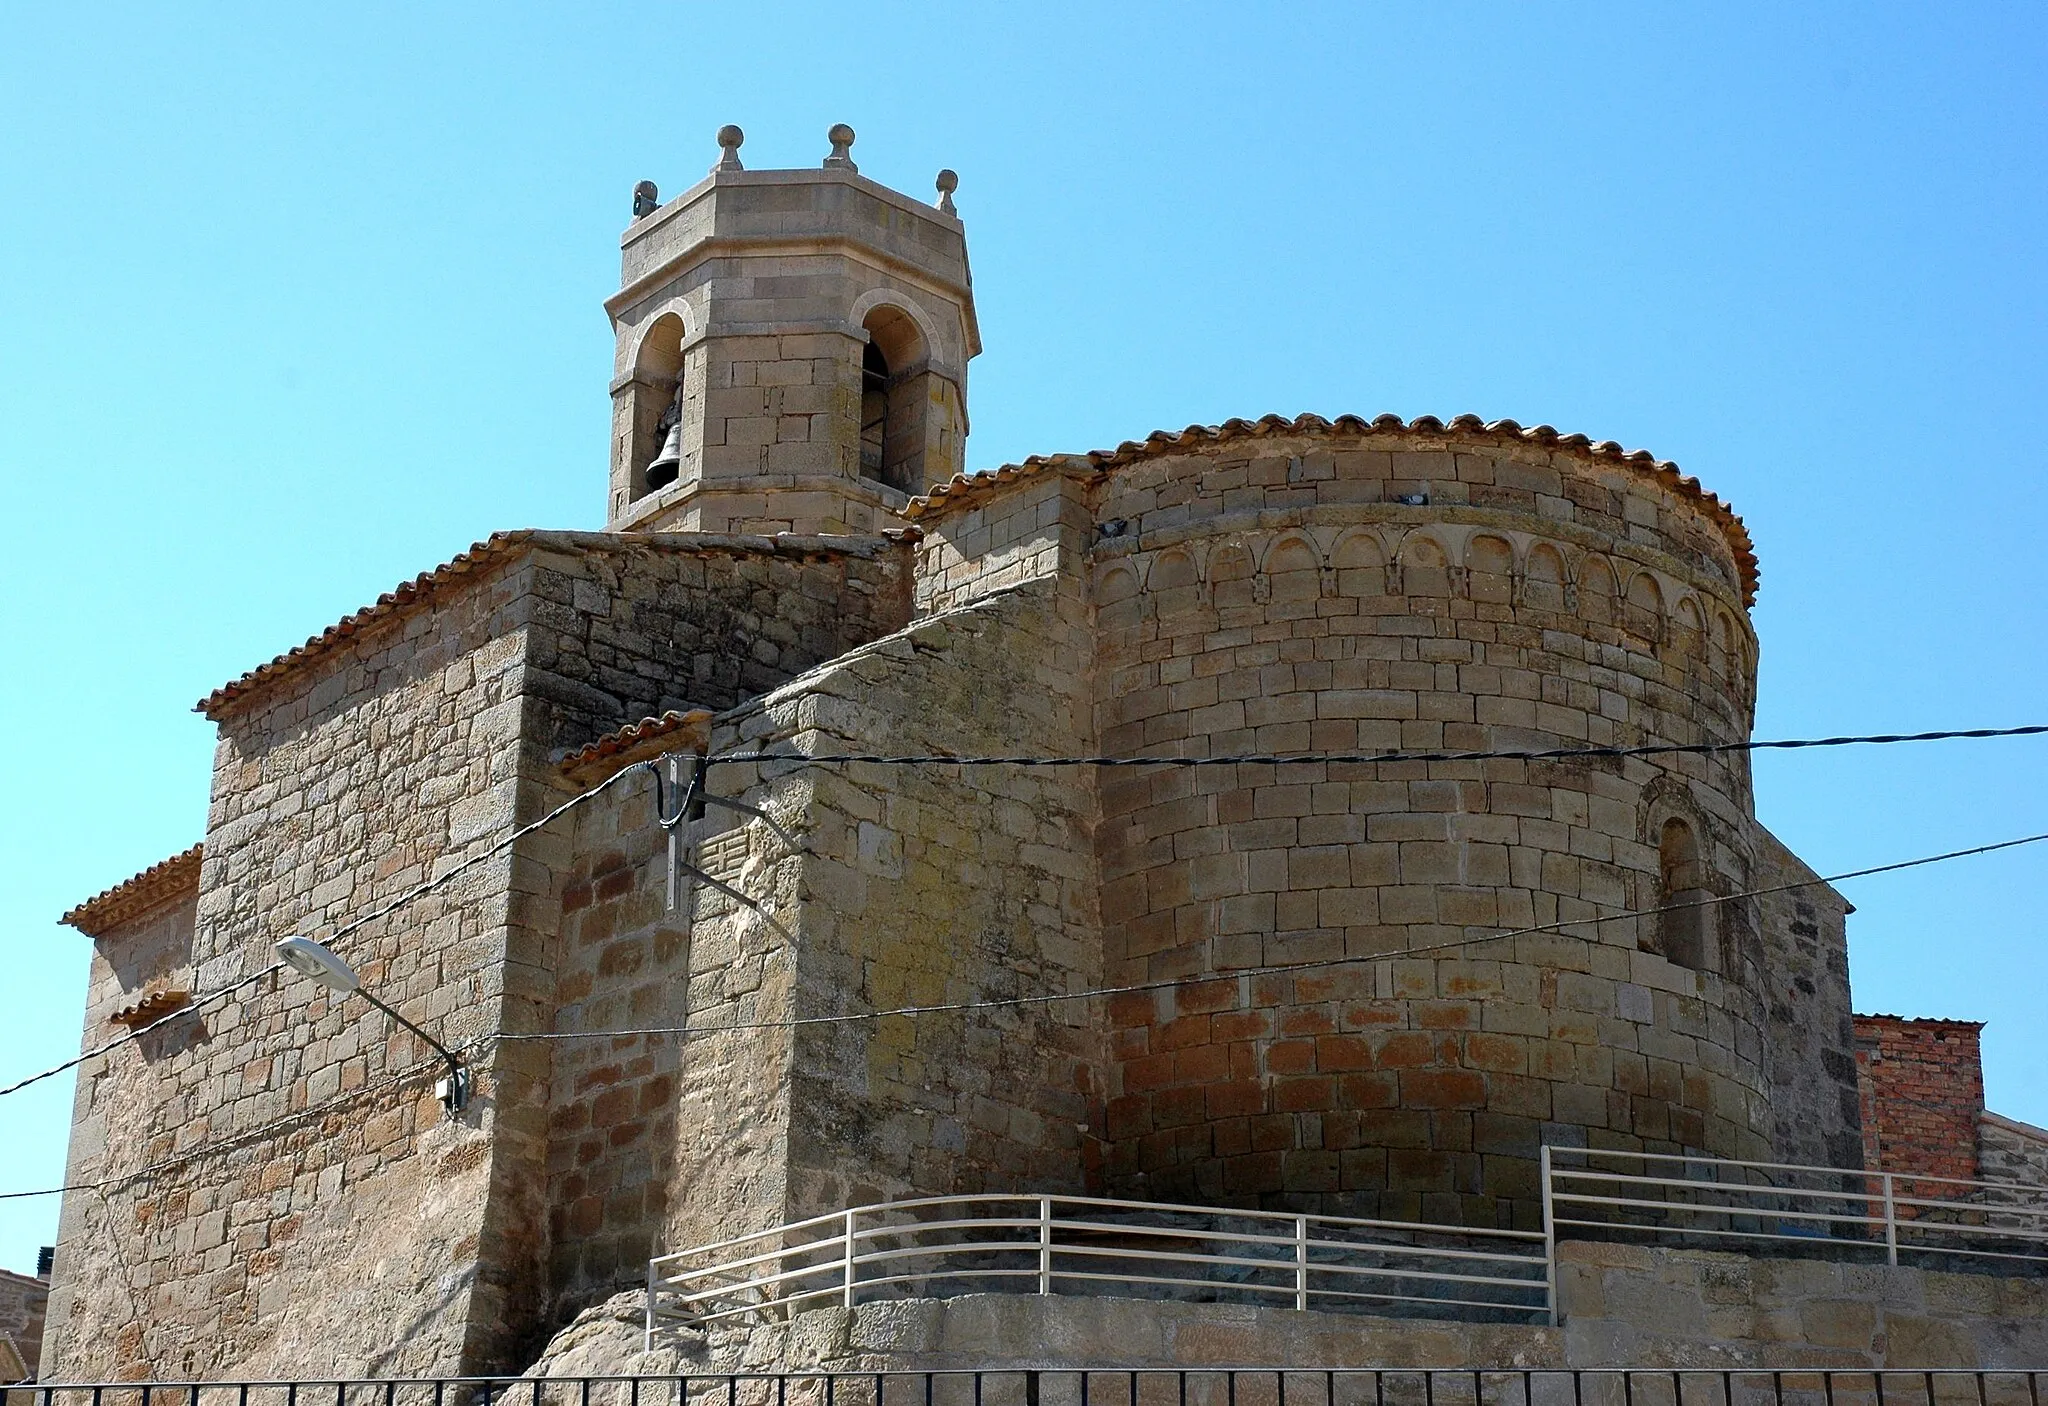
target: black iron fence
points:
(1075, 1386)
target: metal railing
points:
(1101, 1386)
(1734, 1205)
(939, 1246)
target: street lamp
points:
(309, 959)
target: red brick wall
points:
(1922, 1085)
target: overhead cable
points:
(1275, 969)
(1289, 968)
(347, 930)
(1259, 759)
(1542, 754)
(248, 1135)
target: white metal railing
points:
(937, 1246)
(1710, 1200)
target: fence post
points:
(1301, 1262)
(1045, 1244)
(647, 1341)
(848, 1233)
(1549, 1238)
(1891, 1223)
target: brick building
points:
(793, 563)
(1922, 1094)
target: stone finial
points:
(646, 199)
(729, 139)
(949, 181)
(841, 137)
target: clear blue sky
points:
(297, 301)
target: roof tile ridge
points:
(622, 746)
(745, 543)
(483, 555)
(962, 488)
(389, 605)
(153, 887)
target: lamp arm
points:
(454, 1064)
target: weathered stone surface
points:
(303, 1143)
(1012, 1330)
(1691, 1308)
(1357, 986)
(753, 311)
(1620, 1306)
(23, 1304)
(1815, 1114)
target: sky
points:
(298, 301)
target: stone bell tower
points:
(792, 350)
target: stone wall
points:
(299, 1150)
(643, 1128)
(758, 291)
(1922, 1091)
(2012, 1151)
(929, 885)
(2015, 1153)
(915, 885)
(923, 885)
(1042, 528)
(23, 1302)
(150, 950)
(627, 627)
(1645, 1306)
(1621, 1306)
(303, 1142)
(1281, 596)
(1816, 1116)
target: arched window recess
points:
(1685, 916)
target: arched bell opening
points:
(659, 406)
(895, 397)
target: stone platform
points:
(1622, 1305)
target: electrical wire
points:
(253, 1134)
(190, 1009)
(340, 934)
(1272, 759)
(249, 1135)
(1277, 969)
(1657, 749)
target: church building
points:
(559, 803)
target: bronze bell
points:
(668, 463)
(668, 460)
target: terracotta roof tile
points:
(152, 1005)
(398, 601)
(500, 547)
(131, 898)
(964, 489)
(650, 737)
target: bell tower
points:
(792, 350)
